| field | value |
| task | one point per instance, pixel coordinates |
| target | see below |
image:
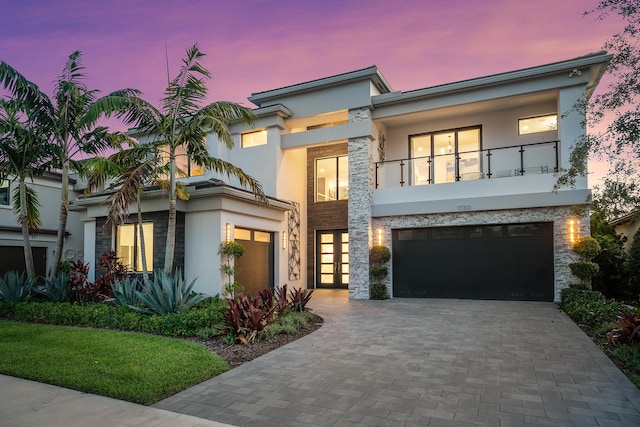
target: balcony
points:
(490, 163)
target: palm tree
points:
(23, 156)
(182, 123)
(71, 120)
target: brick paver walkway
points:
(411, 362)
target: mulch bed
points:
(237, 354)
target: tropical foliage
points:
(182, 124)
(67, 124)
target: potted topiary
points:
(379, 255)
(587, 248)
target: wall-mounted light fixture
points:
(228, 232)
(284, 240)
(379, 236)
(573, 230)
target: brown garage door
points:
(256, 265)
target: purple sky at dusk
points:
(257, 45)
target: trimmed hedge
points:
(206, 315)
(588, 307)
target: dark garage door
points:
(509, 262)
(13, 259)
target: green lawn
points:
(129, 366)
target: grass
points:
(124, 365)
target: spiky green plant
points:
(124, 292)
(56, 289)
(14, 287)
(167, 294)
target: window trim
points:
(539, 116)
(6, 184)
(315, 178)
(259, 131)
(137, 252)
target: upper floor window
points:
(332, 179)
(128, 247)
(445, 156)
(252, 139)
(5, 193)
(546, 123)
(185, 167)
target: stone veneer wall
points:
(160, 222)
(361, 183)
(560, 216)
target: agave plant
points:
(56, 289)
(14, 287)
(124, 292)
(167, 294)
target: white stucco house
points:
(43, 243)
(455, 179)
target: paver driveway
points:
(423, 362)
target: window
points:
(185, 167)
(5, 193)
(546, 123)
(445, 156)
(128, 245)
(332, 179)
(253, 139)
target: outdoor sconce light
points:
(573, 230)
(284, 240)
(379, 236)
(228, 232)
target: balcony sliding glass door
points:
(445, 156)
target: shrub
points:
(167, 294)
(584, 270)
(378, 291)
(286, 325)
(379, 254)
(14, 287)
(207, 315)
(627, 328)
(587, 247)
(587, 307)
(56, 289)
(247, 316)
(124, 292)
(378, 257)
(299, 298)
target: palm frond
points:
(34, 222)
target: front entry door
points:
(332, 259)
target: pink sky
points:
(257, 45)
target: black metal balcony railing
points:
(490, 163)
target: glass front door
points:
(332, 259)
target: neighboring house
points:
(456, 179)
(42, 243)
(627, 226)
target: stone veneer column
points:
(361, 181)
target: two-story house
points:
(455, 179)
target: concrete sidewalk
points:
(31, 404)
(418, 362)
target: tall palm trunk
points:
(62, 221)
(24, 225)
(143, 250)
(171, 227)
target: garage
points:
(13, 259)
(256, 265)
(504, 261)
